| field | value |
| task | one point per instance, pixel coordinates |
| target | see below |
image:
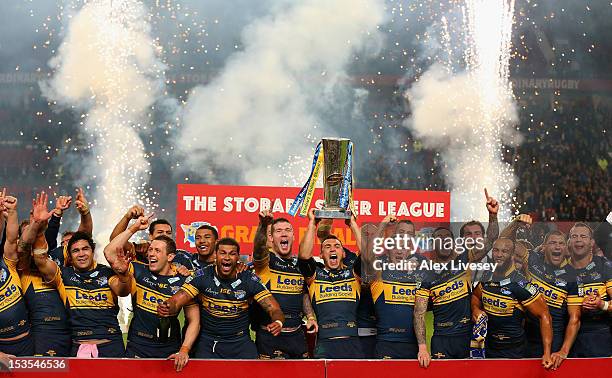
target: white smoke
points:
(469, 115)
(259, 116)
(107, 68)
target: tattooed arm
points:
(420, 307)
(272, 308)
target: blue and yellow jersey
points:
(595, 277)
(555, 284)
(335, 297)
(187, 259)
(59, 255)
(284, 280)
(45, 305)
(13, 311)
(90, 302)
(224, 303)
(450, 293)
(393, 293)
(503, 302)
(148, 290)
(366, 312)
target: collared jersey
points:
(148, 290)
(555, 284)
(284, 280)
(224, 303)
(596, 276)
(450, 293)
(44, 302)
(13, 310)
(90, 302)
(335, 297)
(394, 293)
(504, 303)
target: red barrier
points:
(591, 368)
(142, 368)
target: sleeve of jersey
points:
(526, 294)
(256, 287)
(132, 271)
(11, 264)
(608, 273)
(307, 267)
(424, 290)
(191, 286)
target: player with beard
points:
(449, 291)
(278, 271)
(594, 279)
(393, 293)
(504, 297)
(547, 272)
(334, 290)
(225, 296)
(91, 292)
(150, 285)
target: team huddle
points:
(548, 301)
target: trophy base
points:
(333, 214)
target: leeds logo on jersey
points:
(102, 281)
(3, 276)
(240, 294)
(174, 289)
(505, 291)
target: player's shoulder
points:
(104, 270)
(602, 262)
(248, 275)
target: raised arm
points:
(12, 227)
(307, 242)
(174, 304)
(573, 326)
(40, 215)
(523, 220)
(261, 255)
(119, 241)
(82, 206)
(493, 226)
(122, 285)
(355, 229)
(134, 212)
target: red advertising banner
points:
(233, 210)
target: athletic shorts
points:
(450, 346)
(343, 348)
(113, 348)
(52, 343)
(236, 349)
(510, 351)
(139, 348)
(368, 346)
(20, 348)
(287, 345)
(396, 350)
(593, 344)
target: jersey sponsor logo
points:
(9, 295)
(554, 296)
(332, 291)
(396, 293)
(287, 284)
(99, 297)
(223, 308)
(592, 289)
(450, 291)
(148, 300)
(82, 298)
(497, 305)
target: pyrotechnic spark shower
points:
(107, 67)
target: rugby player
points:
(334, 290)
(59, 253)
(278, 271)
(90, 291)
(547, 271)
(224, 296)
(206, 237)
(152, 284)
(450, 289)
(48, 316)
(15, 338)
(594, 279)
(503, 298)
(393, 292)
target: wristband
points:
(606, 305)
(39, 251)
(184, 349)
(279, 322)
